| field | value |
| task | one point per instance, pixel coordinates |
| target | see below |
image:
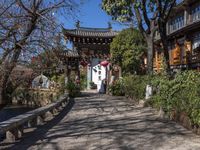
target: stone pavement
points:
(107, 123)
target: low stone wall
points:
(14, 126)
(182, 118)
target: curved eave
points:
(89, 34)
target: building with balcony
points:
(183, 31)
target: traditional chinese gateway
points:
(93, 46)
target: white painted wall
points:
(98, 72)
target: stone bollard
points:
(13, 135)
(32, 123)
(54, 111)
(40, 120)
(48, 115)
(20, 131)
(63, 104)
(60, 107)
(149, 92)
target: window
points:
(177, 23)
(196, 41)
(99, 67)
(196, 13)
(171, 45)
(99, 78)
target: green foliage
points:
(124, 10)
(127, 49)
(117, 88)
(83, 80)
(120, 10)
(73, 89)
(160, 97)
(135, 86)
(60, 79)
(180, 94)
(21, 93)
(93, 85)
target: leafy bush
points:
(83, 80)
(117, 88)
(160, 95)
(73, 89)
(180, 94)
(127, 49)
(135, 86)
(93, 85)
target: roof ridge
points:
(94, 29)
(92, 32)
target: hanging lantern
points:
(104, 63)
(83, 63)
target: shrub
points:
(83, 81)
(135, 86)
(180, 94)
(92, 85)
(161, 86)
(73, 89)
(117, 88)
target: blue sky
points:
(91, 15)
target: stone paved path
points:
(108, 123)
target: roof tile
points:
(91, 32)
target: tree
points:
(150, 16)
(127, 50)
(26, 27)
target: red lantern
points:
(104, 63)
(83, 63)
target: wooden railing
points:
(14, 127)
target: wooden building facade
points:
(183, 30)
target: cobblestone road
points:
(108, 123)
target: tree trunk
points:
(7, 66)
(164, 40)
(5, 97)
(2, 98)
(149, 40)
(166, 55)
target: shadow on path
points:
(40, 132)
(101, 122)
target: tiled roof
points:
(90, 32)
(70, 53)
